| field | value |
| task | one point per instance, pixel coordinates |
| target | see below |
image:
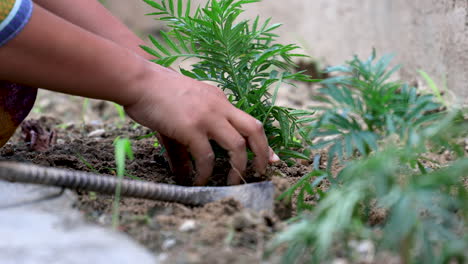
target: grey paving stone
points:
(52, 232)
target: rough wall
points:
(424, 34)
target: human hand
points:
(192, 113)
(178, 158)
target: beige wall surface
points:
(431, 35)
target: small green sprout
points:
(122, 115)
(435, 89)
(304, 188)
(123, 150)
(84, 108)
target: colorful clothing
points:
(15, 100)
(15, 103)
(14, 15)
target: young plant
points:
(427, 210)
(361, 106)
(84, 109)
(123, 150)
(433, 86)
(304, 188)
(121, 112)
(242, 58)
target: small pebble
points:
(188, 226)
(365, 250)
(340, 261)
(95, 123)
(162, 257)
(104, 219)
(97, 133)
(168, 244)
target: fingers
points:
(252, 129)
(232, 134)
(273, 157)
(204, 159)
(179, 159)
(229, 139)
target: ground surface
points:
(221, 232)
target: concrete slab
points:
(38, 225)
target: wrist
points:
(147, 81)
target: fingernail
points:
(275, 158)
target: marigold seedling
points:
(240, 56)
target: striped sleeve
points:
(14, 15)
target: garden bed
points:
(220, 232)
(375, 166)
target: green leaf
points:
(154, 4)
(188, 8)
(159, 46)
(181, 40)
(435, 89)
(169, 42)
(179, 8)
(123, 149)
(171, 6)
(151, 51)
(287, 153)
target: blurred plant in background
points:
(361, 106)
(392, 127)
(426, 212)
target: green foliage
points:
(435, 89)
(427, 209)
(305, 187)
(84, 108)
(241, 57)
(121, 111)
(392, 127)
(361, 106)
(123, 149)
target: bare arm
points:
(51, 52)
(94, 17)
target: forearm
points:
(95, 18)
(53, 53)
